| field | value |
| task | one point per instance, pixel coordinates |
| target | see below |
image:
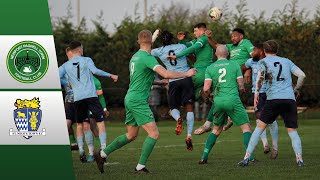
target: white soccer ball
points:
(215, 13)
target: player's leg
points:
(290, 117)
(81, 114)
(144, 118)
(204, 111)
(274, 135)
(190, 123)
(210, 142)
(70, 116)
(263, 136)
(236, 111)
(99, 116)
(93, 127)
(148, 146)
(187, 96)
(206, 127)
(174, 98)
(120, 141)
(268, 115)
(117, 143)
(89, 139)
(220, 118)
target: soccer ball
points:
(215, 13)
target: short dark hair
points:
(239, 30)
(200, 25)
(259, 46)
(271, 47)
(74, 45)
(166, 37)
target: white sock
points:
(103, 154)
(207, 124)
(140, 166)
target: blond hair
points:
(145, 37)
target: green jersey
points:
(241, 52)
(224, 74)
(97, 83)
(201, 48)
(141, 68)
(98, 86)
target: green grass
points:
(171, 160)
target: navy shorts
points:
(90, 104)
(261, 102)
(70, 111)
(286, 108)
(181, 92)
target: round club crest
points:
(27, 62)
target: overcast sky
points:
(115, 10)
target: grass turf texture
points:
(171, 160)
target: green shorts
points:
(138, 113)
(198, 81)
(232, 107)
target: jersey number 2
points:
(223, 73)
(280, 70)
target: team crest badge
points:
(27, 118)
(27, 62)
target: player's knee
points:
(154, 134)
(86, 126)
(131, 136)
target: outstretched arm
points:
(173, 75)
(100, 72)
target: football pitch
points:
(171, 160)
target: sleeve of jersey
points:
(293, 67)
(62, 73)
(152, 63)
(207, 75)
(95, 70)
(102, 101)
(188, 44)
(97, 83)
(155, 52)
(189, 50)
(248, 63)
(249, 46)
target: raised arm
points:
(213, 43)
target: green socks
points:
(211, 140)
(246, 139)
(116, 144)
(147, 148)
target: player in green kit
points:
(226, 78)
(240, 51)
(142, 69)
(203, 52)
